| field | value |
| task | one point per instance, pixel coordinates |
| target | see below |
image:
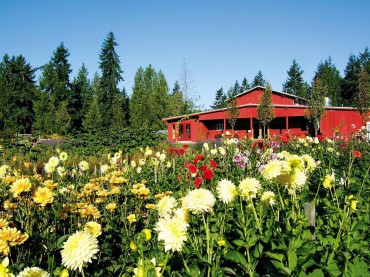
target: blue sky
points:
(221, 41)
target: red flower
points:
(320, 137)
(198, 181)
(180, 151)
(357, 154)
(171, 150)
(213, 164)
(208, 174)
(185, 146)
(203, 168)
(198, 158)
(285, 138)
(186, 164)
(178, 179)
(193, 168)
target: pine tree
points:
(363, 95)
(44, 114)
(316, 104)
(81, 96)
(295, 84)
(93, 120)
(62, 119)
(232, 112)
(17, 92)
(159, 101)
(220, 100)
(258, 80)
(330, 77)
(352, 76)
(55, 77)
(265, 109)
(245, 86)
(176, 101)
(111, 76)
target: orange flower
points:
(357, 154)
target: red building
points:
(289, 113)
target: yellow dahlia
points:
(53, 161)
(111, 207)
(148, 234)
(172, 232)
(94, 228)
(49, 168)
(328, 181)
(33, 272)
(249, 187)
(199, 201)
(166, 205)
(20, 185)
(268, 197)
(43, 196)
(226, 191)
(3, 223)
(272, 169)
(79, 249)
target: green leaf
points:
(278, 265)
(333, 269)
(236, 257)
(238, 242)
(61, 240)
(276, 256)
(292, 260)
(316, 273)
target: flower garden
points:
(291, 206)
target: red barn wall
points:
(253, 97)
(341, 119)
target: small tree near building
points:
(316, 104)
(265, 109)
(232, 113)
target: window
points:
(219, 126)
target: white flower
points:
(199, 201)
(166, 205)
(226, 191)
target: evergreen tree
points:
(17, 92)
(236, 89)
(176, 102)
(352, 75)
(295, 84)
(119, 113)
(350, 81)
(232, 112)
(62, 119)
(44, 114)
(316, 104)
(93, 120)
(220, 101)
(330, 77)
(111, 76)
(55, 77)
(81, 96)
(245, 86)
(363, 95)
(149, 99)
(258, 80)
(265, 109)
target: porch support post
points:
(224, 131)
(251, 127)
(287, 123)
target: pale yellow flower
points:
(272, 169)
(63, 156)
(33, 272)
(166, 205)
(43, 196)
(226, 191)
(199, 201)
(94, 228)
(268, 197)
(329, 181)
(111, 207)
(54, 161)
(79, 249)
(83, 165)
(20, 185)
(172, 232)
(249, 187)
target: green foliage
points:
(363, 95)
(258, 80)
(17, 91)
(294, 83)
(316, 103)
(232, 112)
(220, 100)
(110, 77)
(265, 110)
(330, 77)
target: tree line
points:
(342, 91)
(55, 103)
